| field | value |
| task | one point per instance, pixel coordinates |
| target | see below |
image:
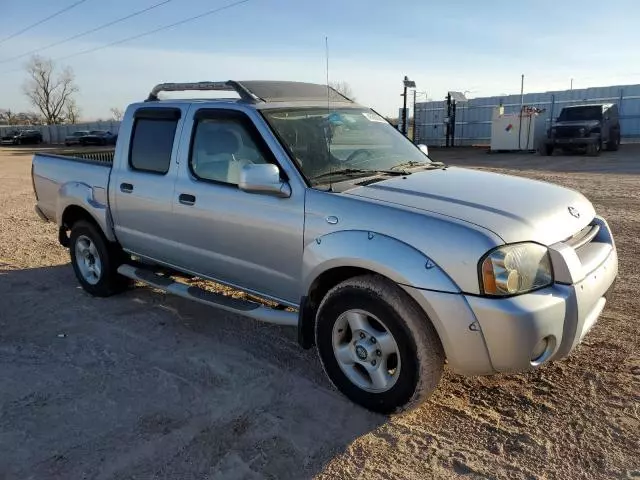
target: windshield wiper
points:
(358, 171)
(414, 163)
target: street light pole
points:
(404, 108)
(406, 84)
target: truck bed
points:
(53, 172)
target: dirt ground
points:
(145, 385)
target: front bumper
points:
(482, 335)
(573, 141)
(8, 142)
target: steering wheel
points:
(358, 157)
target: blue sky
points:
(481, 47)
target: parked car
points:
(74, 138)
(585, 127)
(22, 137)
(389, 262)
(98, 137)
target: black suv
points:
(23, 137)
(585, 127)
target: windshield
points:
(576, 114)
(354, 141)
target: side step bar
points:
(242, 307)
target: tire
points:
(104, 281)
(594, 149)
(614, 146)
(546, 150)
(406, 358)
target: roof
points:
(259, 91)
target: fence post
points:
(464, 110)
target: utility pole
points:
(571, 87)
(413, 138)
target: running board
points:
(242, 307)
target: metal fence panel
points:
(473, 118)
(56, 133)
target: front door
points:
(252, 241)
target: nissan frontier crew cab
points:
(390, 263)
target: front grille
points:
(568, 132)
(584, 236)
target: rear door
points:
(142, 183)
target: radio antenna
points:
(326, 54)
(328, 123)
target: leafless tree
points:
(344, 88)
(72, 112)
(117, 114)
(9, 117)
(49, 91)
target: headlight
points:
(582, 130)
(515, 269)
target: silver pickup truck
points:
(389, 263)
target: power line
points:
(144, 34)
(93, 30)
(156, 30)
(59, 12)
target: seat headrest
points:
(218, 140)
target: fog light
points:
(542, 351)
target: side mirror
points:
(423, 148)
(263, 178)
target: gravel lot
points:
(145, 385)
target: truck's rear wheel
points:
(95, 261)
(375, 345)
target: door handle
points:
(126, 187)
(187, 199)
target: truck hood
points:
(516, 209)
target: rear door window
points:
(152, 139)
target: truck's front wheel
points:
(376, 346)
(95, 261)
(594, 149)
(546, 149)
